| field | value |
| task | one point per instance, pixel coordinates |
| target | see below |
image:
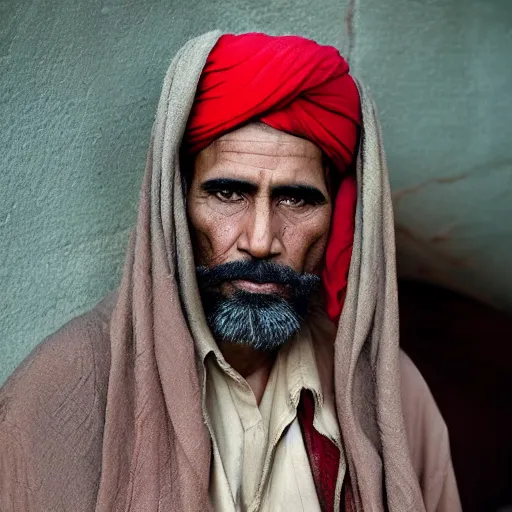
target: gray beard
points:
(262, 321)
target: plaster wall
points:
(79, 84)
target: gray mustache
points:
(257, 271)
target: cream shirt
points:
(259, 458)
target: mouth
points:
(253, 287)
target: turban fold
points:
(297, 86)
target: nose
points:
(260, 235)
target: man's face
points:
(259, 196)
(258, 193)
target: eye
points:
(295, 202)
(228, 196)
(298, 197)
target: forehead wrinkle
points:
(270, 162)
(260, 164)
(276, 148)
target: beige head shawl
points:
(156, 448)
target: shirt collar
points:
(297, 363)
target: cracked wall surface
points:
(78, 91)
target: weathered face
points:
(258, 193)
(260, 212)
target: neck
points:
(253, 365)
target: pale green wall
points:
(79, 82)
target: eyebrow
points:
(228, 183)
(307, 192)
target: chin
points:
(260, 320)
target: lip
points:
(251, 286)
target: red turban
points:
(297, 86)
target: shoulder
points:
(428, 439)
(62, 365)
(423, 421)
(52, 407)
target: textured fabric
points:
(300, 87)
(288, 82)
(52, 422)
(107, 414)
(259, 458)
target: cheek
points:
(305, 241)
(214, 233)
(314, 259)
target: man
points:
(253, 364)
